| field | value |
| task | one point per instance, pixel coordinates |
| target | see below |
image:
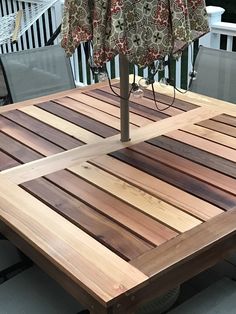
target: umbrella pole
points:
(124, 101)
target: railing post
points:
(212, 40)
(57, 10)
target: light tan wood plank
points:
(158, 188)
(35, 169)
(212, 135)
(145, 202)
(101, 272)
(203, 144)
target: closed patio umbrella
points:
(141, 30)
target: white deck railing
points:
(38, 34)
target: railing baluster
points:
(178, 73)
(229, 43)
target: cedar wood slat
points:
(148, 113)
(103, 229)
(206, 145)
(151, 182)
(101, 272)
(98, 199)
(181, 196)
(214, 136)
(181, 180)
(219, 232)
(77, 155)
(187, 166)
(194, 241)
(219, 127)
(227, 119)
(215, 162)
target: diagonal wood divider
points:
(47, 165)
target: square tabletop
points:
(115, 223)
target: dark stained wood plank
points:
(112, 207)
(219, 127)
(187, 166)
(134, 107)
(187, 183)
(7, 162)
(227, 119)
(57, 137)
(17, 150)
(78, 119)
(28, 138)
(204, 158)
(112, 235)
(203, 144)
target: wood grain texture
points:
(204, 173)
(6, 161)
(195, 99)
(86, 260)
(120, 212)
(112, 99)
(17, 150)
(189, 167)
(114, 208)
(227, 119)
(182, 104)
(192, 242)
(159, 205)
(64, 160)
(154, 207)
(45, 131)
(161, 189)
(201, 143)
(187, 183)
(136, 119)
(219, 127)
(211, 135)
(100, 227)
(199, 156)
(28, 138)
(149, 103)
(199, 210)
(61, 124)
(78, 119)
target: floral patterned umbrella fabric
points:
(143, 30)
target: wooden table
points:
(116, 223)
